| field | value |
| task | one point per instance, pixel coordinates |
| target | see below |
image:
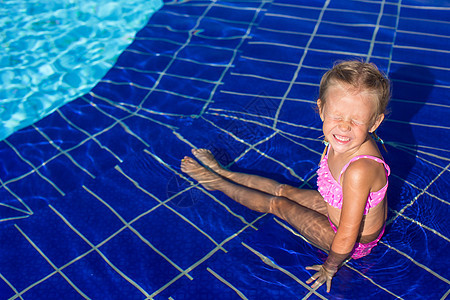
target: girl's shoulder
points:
(367, 169)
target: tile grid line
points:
(211, 253)
(66, 152)
(394, 38)
(10, 285)
(135, 231)
(57, 270)
(305, 52)
(63, 152)
(230, 63)
(95, 248)
(228, 114)
(252, 147)
(420, 265)
(66, 119)
(34, 170)
(227, 283)
(375, 31)
(270, 263)
(196, 185)
(400, 213)
(175, 55)
(136, 183)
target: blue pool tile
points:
(247, 273)
(32, 146)
(352, 16)
(206, 55)
(72, 171)
(410, 251)
(118, 184)
(14, 166)
(345, 31)
(423, 26)
(129, 142)
(212, 28)
(339, 44)
(357, 7)
(385, 35)
(19, 258)
(96, 278)
(304, 92)
(309, 11)
(119, 93)
(94, 156)
(35, 190)
(381, 50)
(194, 11)
(232, 14)
(210, 211)
(178, 22)
(193, 69)
(280, 22)
(88, 215)
(186, 87)
(139, 65)
(82, 111)
(267, 69)
(174, 237)
(55, 287)
(46, 230)
(53, 130)
(133, 256)
(308, 74)
(5, 290)
(141, 76)
(150, 34)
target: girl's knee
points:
(279, 206)
(280, 189)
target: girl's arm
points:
(356, 185)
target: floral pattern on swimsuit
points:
(331, 190)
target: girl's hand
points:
(322, 275)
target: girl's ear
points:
(377, 123)
(320, 107)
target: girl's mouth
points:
(341, 139)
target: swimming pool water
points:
(55, 51)
(93, 204)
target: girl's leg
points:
(308, 198)
(309, 223)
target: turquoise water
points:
(55, 51)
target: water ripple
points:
(55, 51)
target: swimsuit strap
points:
(378, 160)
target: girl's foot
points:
(206, 178)
(207, 158)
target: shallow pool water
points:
(55, 51)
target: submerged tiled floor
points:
(93, 203)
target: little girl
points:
(346, 216)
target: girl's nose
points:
(344, 126)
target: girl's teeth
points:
(342, 139)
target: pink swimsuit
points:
(331, 191)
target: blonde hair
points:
(360, 75)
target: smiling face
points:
(348, 116)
